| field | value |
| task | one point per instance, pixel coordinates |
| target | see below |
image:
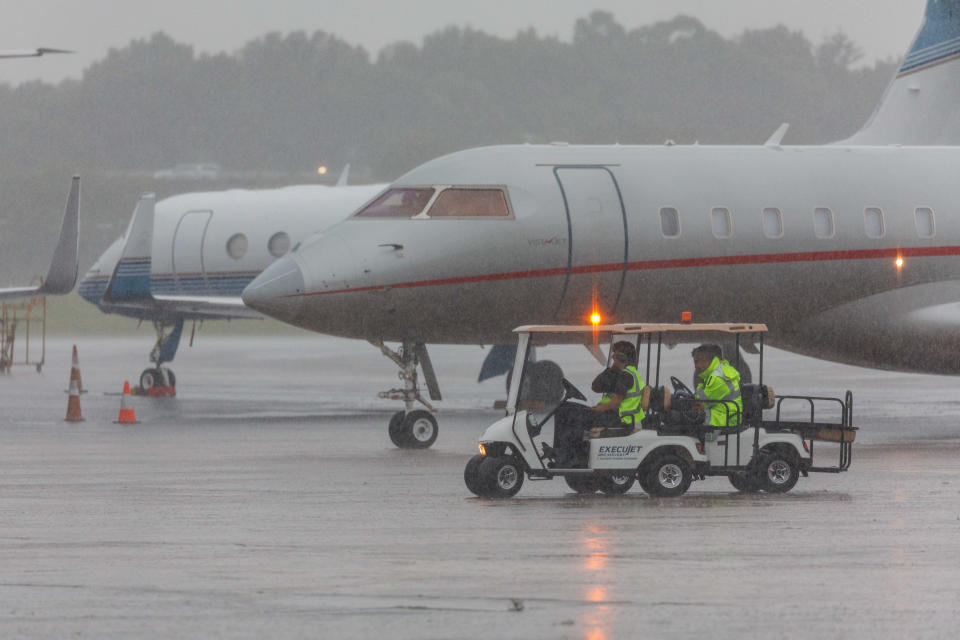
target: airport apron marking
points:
(677, 263)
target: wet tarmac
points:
(267, 501)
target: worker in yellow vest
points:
(622, 388)
(618, 412)
(718, 386)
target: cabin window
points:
(772, 223)
(278, 244)
(722, 225)
(873, 222)
(823, 222)
(398, 203)
(926, 226)
(669, 222)
(470, 203)
(237, 246)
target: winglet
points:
(342, 180)
(131, 277)
(777, 137)
(62, 274)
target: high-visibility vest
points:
(720, 383)
(630, 410)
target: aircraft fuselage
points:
(781, 235)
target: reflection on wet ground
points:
(267, 501)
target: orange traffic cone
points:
(127, 415)
(73, 404)
(75, 371)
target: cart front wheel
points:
(500, 477)
(471, 475)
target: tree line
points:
(289, 102)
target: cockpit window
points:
(398, 203)
(470, 203)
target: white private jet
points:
(189, 256)
(848, 252)
(62, 272)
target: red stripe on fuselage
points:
(678, 263)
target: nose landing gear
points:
(412, 429)
(159, 381)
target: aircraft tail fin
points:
(131, 278)
(344, 176)
(63, 270)
(921, 105)
(62, 274)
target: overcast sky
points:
(883, 28)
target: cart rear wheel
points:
(471, 475)
(500, 477)
(582, 484)
(744, 481)
(669, 477)
(615, 485)
(778, 473)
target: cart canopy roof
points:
(678, 333)
(638, 327)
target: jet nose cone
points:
(277, 291)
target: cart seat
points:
(755, 399)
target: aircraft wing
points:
(62, 273)
(29, 53)
(207, 306)
(944, 316)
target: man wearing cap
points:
(718, 386)
(617, 413)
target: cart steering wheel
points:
(678, 385)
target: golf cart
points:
(672, 446)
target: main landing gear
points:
(412, 429)
(160, 381)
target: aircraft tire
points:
(420, 429)
(395, 430)
(149, 379)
